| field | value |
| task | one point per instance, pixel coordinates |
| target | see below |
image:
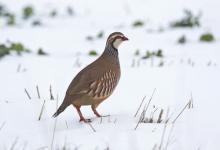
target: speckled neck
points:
(111, 55)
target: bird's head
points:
(115, 39)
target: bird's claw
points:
(85, 120)
(104, 116)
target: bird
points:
(97, 81)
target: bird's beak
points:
(124, 38)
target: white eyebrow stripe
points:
(112, 37)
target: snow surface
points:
(64, 38)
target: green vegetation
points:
(138, 23)
(6, 49)
(8, 16)
(189, 20)
(182, 40)
(2, 10)
(3, 50)
(18, 48)
(207, 37)
(41, 52)
(11, 20)
(100, 34)
(28, 12)
(137, 52)
(93, 53)
(150, 54)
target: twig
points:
(55, 124)
(93, 129)
(140, 106)
(164, 131)
(180, 112)
(38, 93)
(51, 94)
(27, 93)
(41, 112)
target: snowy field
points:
(186, 73)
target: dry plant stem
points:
(155, 147)
(133, 63)
(181, 112)
(148, 104)
(191, 101)
(140, 106)
(27, 93)
(159, 120)
(66, 125)
(169, 136)
(145, 110)
(164, 131)
(100, 119)
(173, 123)
(141, 118)
(38, 92)
(55, 124)
(51, 94)
(41, 111)
(19, 68)
(152, 114)
(93, 129)
(3, 124)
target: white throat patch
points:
(117, 42)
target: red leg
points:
(95, 112)
(80, 115)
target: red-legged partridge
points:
(97, 81)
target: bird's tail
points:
(60, 109)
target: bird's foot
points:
(98, 115)
(85, 120)
(102, 116)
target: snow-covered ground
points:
(189, 69)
